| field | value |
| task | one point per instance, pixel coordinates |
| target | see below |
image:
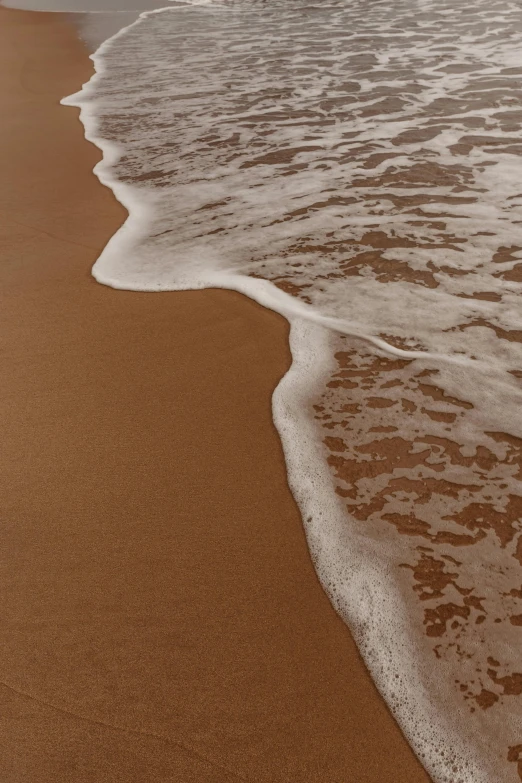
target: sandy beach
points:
(161, 618)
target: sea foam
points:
(357, 167)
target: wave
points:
(356, 167)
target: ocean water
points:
(357, 166)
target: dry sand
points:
(161, 619)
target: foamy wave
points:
(357, 168)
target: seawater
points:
(357, 166)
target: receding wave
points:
(357, 166)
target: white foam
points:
(260, 146)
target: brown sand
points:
(161, 619)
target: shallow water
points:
(357, 166)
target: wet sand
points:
(161, 619)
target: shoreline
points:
(162, 616)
